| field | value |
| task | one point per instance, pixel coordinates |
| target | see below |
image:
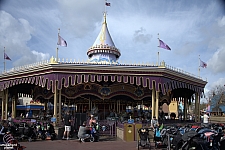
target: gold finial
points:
(104, 22)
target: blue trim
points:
(29, 107)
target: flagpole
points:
(57, 49)
(105, 5)
(199, 66)
(4, 59)
(158, 51)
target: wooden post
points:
(157, 105)
(55, 102)
(60, 106)
(6, 104)
(153, 101)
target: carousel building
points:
(101, 82)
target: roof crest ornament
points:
(103, 48)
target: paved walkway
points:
(103, 144)
(75, 144)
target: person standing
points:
(67, 121)
(154, 122)
(205, 118)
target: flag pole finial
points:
(58, 30)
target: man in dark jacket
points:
(67, 121)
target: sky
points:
(192, 29)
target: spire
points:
(103, 48)
(104, 38)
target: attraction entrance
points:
(84, 86)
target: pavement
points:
(103, 144)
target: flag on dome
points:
(61, 41)
(107, 4)
(163, 45)
(6, 56)
(203, 64)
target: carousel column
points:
(3, 104)
(14, 105)
(45, 106)
(60, 106)
(55, 102)
(6, 104)
(185, 107)
(13, 108)
(157, 105)
(197, 117)
(153, 101)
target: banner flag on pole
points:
(203, 64)
(163, 45)
(61, 41)
(6, 56)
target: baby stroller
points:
(144, 138)
(50, 131)
(94, 133)
(157, 138)
(26, 132)
(8, 142)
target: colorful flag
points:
(107, 4)
(6, 56)
(61, 41)
(163, 45)
(203, 64)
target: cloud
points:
(80, 17)
(140, 36)
(14, 35)
(216, 63)
(31, 57)
(220, 81)
(216, 43)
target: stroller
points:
(144, 138)
(94, 132)
(26, 132)
(50, 131)
(158, 140)
(9, 142)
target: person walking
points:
(67, 121)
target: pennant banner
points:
(203, 64)
(6, 56)
(61, 41)
(163, 45)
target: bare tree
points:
(217, 90)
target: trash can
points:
(128, 132)
(60, 132)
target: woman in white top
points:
(205, 118)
